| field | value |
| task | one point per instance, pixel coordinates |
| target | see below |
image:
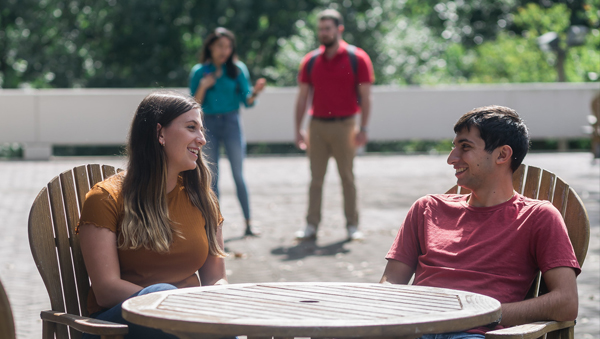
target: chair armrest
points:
(529, 331)
(85, 324)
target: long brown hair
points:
(231, 69)
(146, 221)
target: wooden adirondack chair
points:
(57, 254)
(7, 323)
(537, 183)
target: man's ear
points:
(340, 29)
(504, 155)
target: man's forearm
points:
(545, 307)
(300, 111)
(365, 105)
(365, 108)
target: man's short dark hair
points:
(498, 126)
(331, 14)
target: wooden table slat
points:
(383, 295)
(420, 303)
(415, 307)
(232, 310)
(283, 307)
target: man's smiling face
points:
(474, 166)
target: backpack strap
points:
(351, 54)
(354, 64)
(353, 60)
(311, 61)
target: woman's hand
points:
(213, 270)
(260, 85)
(207, 81)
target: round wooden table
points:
(316, 310)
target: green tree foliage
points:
(517, 58)
(130, 43)
(441, 41)
(152, 43)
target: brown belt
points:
(330, 119)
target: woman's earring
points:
(162, 144)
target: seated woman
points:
(154, 226)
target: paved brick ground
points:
(387, 185)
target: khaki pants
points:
(326, 139)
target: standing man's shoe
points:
(309, 233)
(354, 233)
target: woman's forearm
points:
(114, 292)
(251, 98)
(199, 95)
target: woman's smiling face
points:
(182, 140)
(221, 50)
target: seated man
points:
(494, 240)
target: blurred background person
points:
(220, 82)
(339, 77)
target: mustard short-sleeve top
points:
(103, 207)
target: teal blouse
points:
(226, 94)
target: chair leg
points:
(565, 333)
(48, 330)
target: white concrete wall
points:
(102, 116)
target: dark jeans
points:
(226, 129)
(135, 331)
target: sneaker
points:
(252, 232)
(310, 232)
(354, 233)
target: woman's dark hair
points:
(498, 126)
(220, 32)
(146, 221)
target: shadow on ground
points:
(303, 249)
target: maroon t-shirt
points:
(334, 82)
(495, 251)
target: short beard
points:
(330, 43)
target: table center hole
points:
(309, 301)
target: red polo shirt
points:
(334, 83)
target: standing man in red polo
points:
(339, 77)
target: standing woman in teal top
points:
(220, 82)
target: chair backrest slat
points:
(7, 322)
(43, 248)
(519, 178)
(546, 186)
(561, 195)
(578, 225)
(82, 183)
(532, 182)
(42, 243)
(63, 247)
(453, 190)
(95, 174)
(462, 190)
(107, 171)
(72, 212)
